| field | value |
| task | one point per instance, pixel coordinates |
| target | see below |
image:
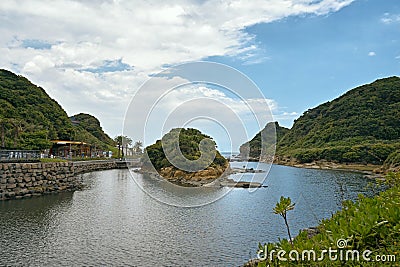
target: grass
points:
(46, 160)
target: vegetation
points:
(89, 130)
(266, 139)
(392, 162)
(282, 207)
(49, 160)
(92, 125)
(191, 143)
(122, 142)
(137, 148)
(367, 224)
(29, 118)
(361, 126)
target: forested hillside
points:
(29, 118)
(253, 147)
(361, 126)
(88, 128)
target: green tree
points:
(118, 141)
(127, 142)
(282, 207)
(122, 141)
(137, 148)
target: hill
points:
(200, 161)
(29, 117)
(252, 148)
(88, 128)
(361, 126)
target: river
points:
(113, 222)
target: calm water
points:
(113, 222)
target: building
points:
(69, 149)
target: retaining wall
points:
(19, 180)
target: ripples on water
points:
(113, 222)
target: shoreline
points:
(369, 170)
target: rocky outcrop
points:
(198, 178)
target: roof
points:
(61, 142)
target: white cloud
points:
(390, 18)
(64, 45)
(199, 106)
(371, 54)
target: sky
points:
(95, 56)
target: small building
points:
(69, 149)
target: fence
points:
(19, 155)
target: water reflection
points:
(113, 222)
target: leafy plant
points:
(367, 224)
(282, 207)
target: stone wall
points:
(19, 180)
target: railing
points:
(19, 155)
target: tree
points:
(137, 148)
(3, 122)
(122, 141)
(17, 130)
(35, 140)
(126, 141)
(281, 208)
(118, 140)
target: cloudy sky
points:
(93, 56)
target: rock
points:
(312, 231)
(11, 186)
(10, 194)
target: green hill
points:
(252, 148)
(29, 118)
(88, 128)
(361, 126)
(194, 165)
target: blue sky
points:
(94, 56)
(313, 59)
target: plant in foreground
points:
(281, 208)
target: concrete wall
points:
(19, 180)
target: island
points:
(187, 157)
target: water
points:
(113, 222)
